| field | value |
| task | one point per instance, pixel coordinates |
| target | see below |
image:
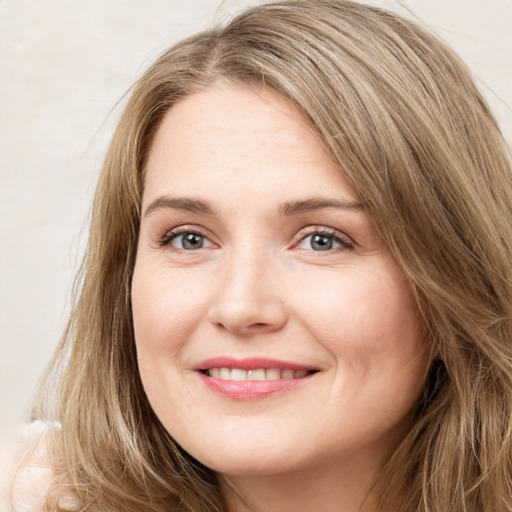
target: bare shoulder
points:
(26, 469)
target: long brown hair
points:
(401, 115)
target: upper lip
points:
(251, 363)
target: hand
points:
(33, 479)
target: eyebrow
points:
(297, 207)
(180, 203)
(285, 209)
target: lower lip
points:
(252, 389)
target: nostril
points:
(250, 313)
(260, 327)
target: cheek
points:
(371, 326)
(166, 308)
(364, 318)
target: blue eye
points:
(187, 241)
(324, 241)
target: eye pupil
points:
(321, 242)
(192, 241)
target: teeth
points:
(287, 374)
(256, 375)
(273, 374)
(237, 374)
(259, 374)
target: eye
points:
(189, 241)
(185, 240)
(325, 240)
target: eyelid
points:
(346, 241)
(170, 234)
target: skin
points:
(259, 287)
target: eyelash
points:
(344, 241)
(172, 234)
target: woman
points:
(297, 292)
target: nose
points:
(249, 298)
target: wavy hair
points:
(401, 115)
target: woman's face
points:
(274, 330)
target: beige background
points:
(64, 66)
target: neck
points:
(323, 489)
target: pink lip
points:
(252, 363)
(250, 389)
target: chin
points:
(252, 466)
(248, 459)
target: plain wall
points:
(64, 66)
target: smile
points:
(252, 378)
(239, 374)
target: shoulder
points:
(26, 469)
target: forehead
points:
(234, 137)
(236, 110)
